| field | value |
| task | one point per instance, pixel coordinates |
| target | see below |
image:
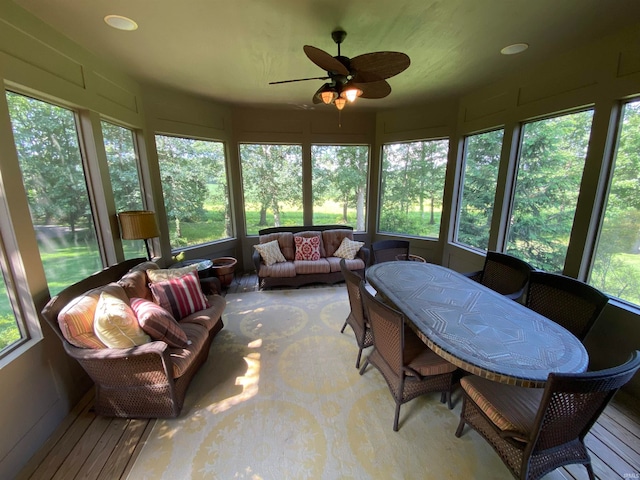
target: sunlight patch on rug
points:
(280, 398)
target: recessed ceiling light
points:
(515, 48)
(120, 22)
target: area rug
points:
(280, 398)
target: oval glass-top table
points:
(476, 328)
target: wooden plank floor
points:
(88, 446)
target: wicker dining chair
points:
(356, 319)
(565, 300)
(504, 274)
(389, 250)
(409, 367)
(535, 431)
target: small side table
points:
(204, 266)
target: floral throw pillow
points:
(270, 252)
(307, 248)
(348, 249)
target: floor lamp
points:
(139, 225)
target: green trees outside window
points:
(272, 185)
(10, 333)
(125, 182)
(616, 265)
(46, 140)
(340, 184)
(477, 196)
(194, 185)
(412, 187)
(552, 156)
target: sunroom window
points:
(194, 185)
(616, 264)
(272, 185)
(122, 160)
(477, 196)
(413, 175)
(340, 184)
(551, 163)
(50, 160)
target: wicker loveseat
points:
(145, 381)
(294, 273)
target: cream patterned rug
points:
(280, 398)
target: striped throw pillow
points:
(158, 323)
(181, 296)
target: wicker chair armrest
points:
(364, 253)
(475, 276)
(257, 260)
(151, 348)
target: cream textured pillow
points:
(348, 249)
(270, 252)
(161, 275)
(116, 325)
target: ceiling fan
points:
(349, 78)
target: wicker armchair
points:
(357, 319)
(504, 274)
(410, 367)
(388, 250)
(567, 301)
(535, 431)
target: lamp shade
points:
(138, 224)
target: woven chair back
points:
(573, 402)
(504, 273)
(352, 281)
(389, 250)
(387, 326)
(565, 300)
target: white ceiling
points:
(230, 50)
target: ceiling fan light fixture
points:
(351, 93)
(328, 96)
(340, 103)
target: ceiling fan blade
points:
(382, 64)
(325, 61)
(366, 77)
(299, 80)
(378, 89)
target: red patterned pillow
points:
(307, 248)
(181, 296)
(158, 323)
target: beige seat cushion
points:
(183, 357)
(419, 357)
(510, 408)
(312, 266)
(208, 317)
(278, 270)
